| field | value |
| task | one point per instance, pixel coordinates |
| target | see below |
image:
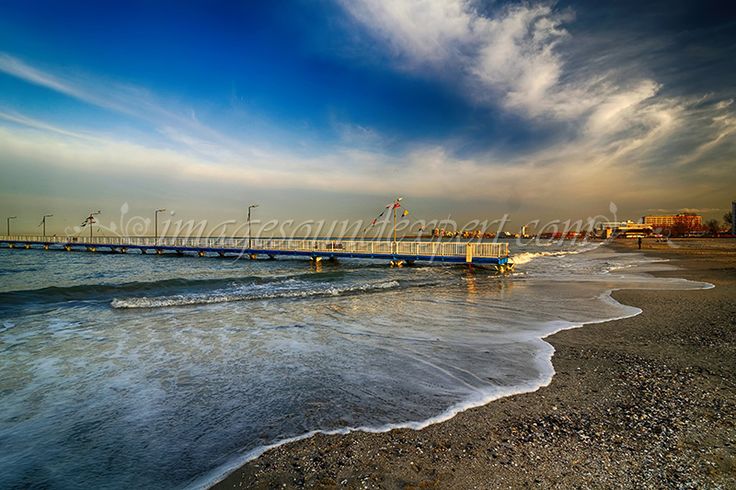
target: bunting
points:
(392, 206)
(90, 220)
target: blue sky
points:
(325, 110)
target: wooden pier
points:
(397, 253)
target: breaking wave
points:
(526, 257)
(244, 295)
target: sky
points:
(331, 109)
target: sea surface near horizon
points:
(130, 371)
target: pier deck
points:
(403, 251)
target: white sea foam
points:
(243, 295)
(526, 257)
(543, 359)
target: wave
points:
(105, 292)
(201, 299)
(526, 257)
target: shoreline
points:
(512, 439)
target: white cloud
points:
(517, 56)
(421, 30)
(125, 99)
(514, 57)
(622, 135)
(14, 66)
(29, 122)
(424, 172)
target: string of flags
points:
(389, 207)
(90, 220)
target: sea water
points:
(130, 371)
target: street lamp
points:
(9, 218)
(155, 221)
(249, 208)
(43, 222)
(89, 221)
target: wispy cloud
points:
(126, 99)
(432, 171)
(17, 68)
(518, 57)
(512, 56)
(29, 122)
(113, 96)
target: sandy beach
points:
(644, 402)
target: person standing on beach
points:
(639, 243)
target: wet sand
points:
(644, 402)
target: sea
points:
(139, 371)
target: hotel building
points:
(693, 221)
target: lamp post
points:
(252, 206)
(395, 206)
(155, 222)
(43, 222)
(8, 221)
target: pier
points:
(397, 253)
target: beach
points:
(645, 402)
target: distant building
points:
(624, 229)
(690, 221)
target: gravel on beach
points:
(643, 402)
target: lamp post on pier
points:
(8, 222)
(155, 223)
(43, 222)
(395, 206)
(252, 206)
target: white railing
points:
(423, 248)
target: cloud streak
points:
(512, 56)
(120, 98)
(430, 171)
